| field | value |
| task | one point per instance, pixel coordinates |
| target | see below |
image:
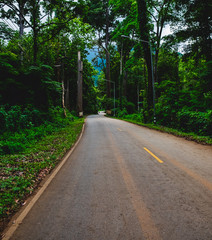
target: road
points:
(125, 182)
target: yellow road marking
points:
(158, 159)
(147, 224)
(206, 183)
(119, 129)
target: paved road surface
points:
(125, 182)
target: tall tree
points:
(192, 26)
(17, 10)
(161, 12)
(30, 14)
(102, 18)
(144, 26)
(127, 26)
(195, 25)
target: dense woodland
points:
(166, 77)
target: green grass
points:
(21, 173)
(188, 136)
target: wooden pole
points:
(79, 86)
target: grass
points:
(21, 173)
(189, 136)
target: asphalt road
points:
(125, 182)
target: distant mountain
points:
(91, 55)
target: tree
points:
(127, 25)
(17, 10)
(192, 27)
(161, 12)
(102, 18)
(30, 14)
(195, 24)
(6, 32)
(144, 26)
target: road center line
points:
(148, 226)
(207, 184)
(158, 159)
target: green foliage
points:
(23, 127)
(121, 113)
(21, 173)
(130, 107)
(6, 33)
(168, 103)
(9, 70)
(89, 91)
(197, 122)
(135, 116)
(127, 10)
(194, 26)
(16, 118)
(189, 136)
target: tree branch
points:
(14, 8)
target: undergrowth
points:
(20, 135)
(189, 136)
(41, 149)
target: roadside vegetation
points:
(28, 155)
(189, 135)
(192, 125)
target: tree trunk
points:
(35, 18)
(144, 31)
(35, 46)
(206, 32)
(21, 18)
(63, 91)
(162, 17)
(107, 53)
(125, 83)
(21, 26)
(67, 95)
(125, 75)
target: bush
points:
(135, 116)
(24, 126)
(2, 119)
(130, 107)
(16, 118)
(197, 122)
(11, 147)
(121, 113)
(56, 115)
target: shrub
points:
(136, 116)
(3, 115)
(22, 127)
(121, 113)
(11, 147)
(130, 107)
(197, 122)
(16, 118)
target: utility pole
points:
(121, 77)
(79, 86)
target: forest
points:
(132, 67)
(155, 78)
